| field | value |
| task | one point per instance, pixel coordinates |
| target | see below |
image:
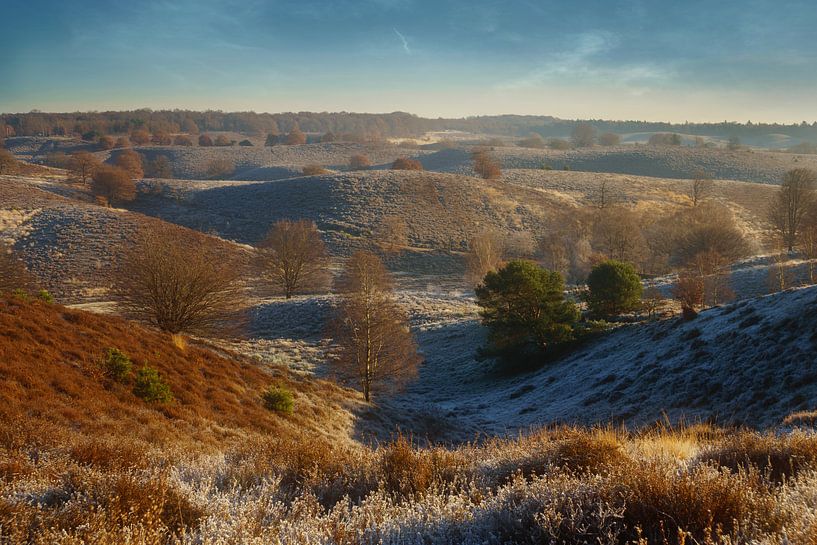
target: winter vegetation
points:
(305, 333)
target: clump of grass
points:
(590, 452)
(151, 387)
(778, 458)
(179, 341)
(117, 365)
(670, 505)
(279, 399)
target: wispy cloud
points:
(588, 60)
(403, 39)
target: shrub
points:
(122, 142)
(222, 141)
(161, 138)
(314, 170)
(245, 143)
(117, 365)
(665, 139)
(182, 140)
(359, 162)
(403, 163)
(106, 142)
(278, 399)
(534, 141)
(205, 141)
(8, 163)
(45, 297)
(159, 168)
(558, 144)
(140, 137)
(220, 168)
(609, 139)
(114, 184)
(295, 137)
(130, 161)
(583, 135)
(614, 287)
(485, 165)
(149, 386)
(271, 140)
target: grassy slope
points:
(51, 375)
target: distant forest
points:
(370, 126)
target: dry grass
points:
(84, 461)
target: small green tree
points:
(151, 387)
(524, 307)
(117, 365)
(278, 399)
(614, 287)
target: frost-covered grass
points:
(561, 485)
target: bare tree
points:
(651, 301)
(485, 165)
(13, 273)
(159, 167)
(689, 291)
(114, 184)
(617, 233)
(702, 186)
(808, 242)
(392, 233)
(130, 161)
(609, 139)
(555, 253)
(603, 198)
(179, 285)
(82, 166)
(375, 344)
(220, 168)
(714, 273)
(793, 200)
(294, 256)
(485, 254)
(584, 135)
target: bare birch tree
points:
(371, 330)
(793, 201)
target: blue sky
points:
(658, 60)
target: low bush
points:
(45, 297)
(314, 170)
(118, 365)
(359, 162)
(151, 387)
(404, 163)
(279, 399)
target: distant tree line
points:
(371, 126)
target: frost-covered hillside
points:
(753, 362)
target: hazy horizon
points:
(621, 60)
